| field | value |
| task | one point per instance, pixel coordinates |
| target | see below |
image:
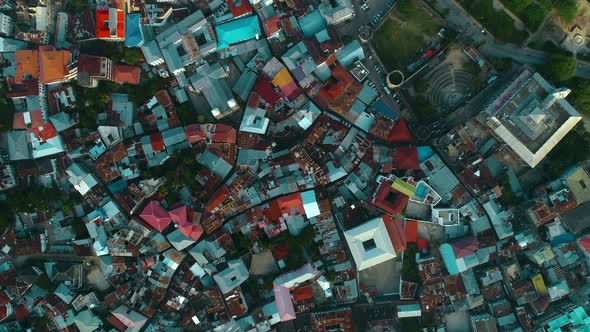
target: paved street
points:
(470, 30)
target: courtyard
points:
(407, 30)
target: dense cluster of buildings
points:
(308, 207)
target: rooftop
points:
(531, 116)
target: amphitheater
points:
(448, 86)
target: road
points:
(471, 32)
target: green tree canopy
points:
(132, 56)
(573, 148)
(567, 9)
(560, 68)
(580, 95)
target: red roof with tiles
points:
(102, 24)
(465, 247)
(194, 133)
(400, 133)
(218, 197)
(271, 25)
(302, 293)
(21, 312)
(156, 216)
(422, 244)
(224, 133)
(396, 233)
(239, 7)
(266, 91)
(126, 74)
(157, 142)
(44, 132)
(389, 199)
(280, 251)
(181, 217)
(412, 231)
(36, 118)
(585, 242)
(405, 158)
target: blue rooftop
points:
(133, 33)
(384, 109)
(424, 153)
(237, 31)
(312, 23)
(448, 256)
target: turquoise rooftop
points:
(237, 31)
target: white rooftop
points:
(370, 244)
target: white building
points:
(82, 181)
(232, 276)
(5, 24)
(370, 244)
(530, 116)
(254, 121)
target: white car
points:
(365, 7)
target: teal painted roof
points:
(312, 23)
(133, 33)
(237, 31)
(448, 256)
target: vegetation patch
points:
(496, 21)
(402, 34)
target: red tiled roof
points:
(412, 231)
(465, 247)
(218, 197)
(18, 121)
(302, 293)
(585, 242)
(21, 312)
(102, 24)
(156, 216)
(157, 142)
(116, 323)
(194, 133)
(272, 25)
(389, 199)
(396, 233)
(422, 244)
(44, 132)
(405, 158)
(126, 74)
(280, 251)
(266, 91)
(400, 133)
(239, 7)
(180, 216)
(3, 312)
(4, 299)
(89, 64)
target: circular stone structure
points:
(395, 79)
(365, 33)
(578, 39)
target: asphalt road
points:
(470, 30)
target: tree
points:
(6, 108)
(573, 148)
(409, 324)
(422, 86)
(502, 65)
(567, 9)
(560, 67)
(132, 56)
(6, 216)
(76, 6)
(472, 68)
(508, 198)
(580, 95)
